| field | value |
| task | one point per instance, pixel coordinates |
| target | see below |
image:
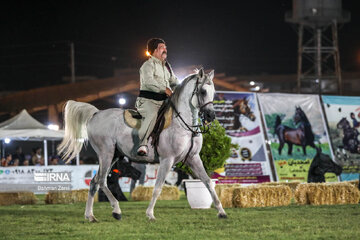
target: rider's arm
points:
(148, 80)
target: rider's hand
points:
(168, 92)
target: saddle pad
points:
(136, 123)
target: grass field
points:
(175, 220)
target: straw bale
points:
(261, 196)
(65, 197)
(8, 198)
(354, 182)
(142, 193)
(292, 185)
(220, 187)
(327, 193)
(226, 197)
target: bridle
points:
(203, 124)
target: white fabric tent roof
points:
(24, 127)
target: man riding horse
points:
(156, 82)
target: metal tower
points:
(318, 67)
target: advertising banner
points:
(297, 135)
(343, 117)
(238, 113)
(40, 179)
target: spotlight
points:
(53, 127)
(122, 101)
(7, 140)
(252, 83)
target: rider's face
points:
(160, 52)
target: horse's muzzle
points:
(209, 115)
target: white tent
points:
(24, 127)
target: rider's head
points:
(352, 115)
(157, 48)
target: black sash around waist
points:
(152, 95)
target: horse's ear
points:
(201, 73)
(211, 75)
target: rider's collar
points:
(158, 60)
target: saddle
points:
(133, 118)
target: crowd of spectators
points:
(36, 158)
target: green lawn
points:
(175, 220)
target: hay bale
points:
(169, 193)
(261, 196)
(300, 195)
(226, 197)
(141, 193)
(327, 193)
(220, 187)
(354, 182)
(292, 185)
(65, 197)
(9, 198)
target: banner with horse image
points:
(343, 118)
(298, 137)
(238, 113)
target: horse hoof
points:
(91, 219)
(222, 215)
(117, 216)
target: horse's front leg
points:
(165, 166)
(198, 169)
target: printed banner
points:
(238, 113)
(343, 117)
(298, 138)
(24, 178)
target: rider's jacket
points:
(156, 76)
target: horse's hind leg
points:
(105, 159)
(94, 187)
(197, 167)
(165, 166)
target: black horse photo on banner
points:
(297, 134)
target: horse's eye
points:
(203, 92)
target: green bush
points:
(215, 150)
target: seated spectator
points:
(53, 160)
(37, 158)
(19, 155)
(5, 162)
(28, 159)
(15, 162)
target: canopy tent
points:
(24, 127)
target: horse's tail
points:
(277, 121)
(76, 117)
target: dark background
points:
(235, 37)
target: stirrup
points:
(142, 152)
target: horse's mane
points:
(179, 88)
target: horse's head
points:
(343, 124)
(299, 115)
(203, 95)
(326, 164)
(245, 109)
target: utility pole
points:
(72, 62)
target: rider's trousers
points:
(148, 110)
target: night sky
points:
(236, 37)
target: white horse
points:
(107, 130)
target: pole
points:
(45, 153)
(318, 57)
(300, 52)
(72, 62)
